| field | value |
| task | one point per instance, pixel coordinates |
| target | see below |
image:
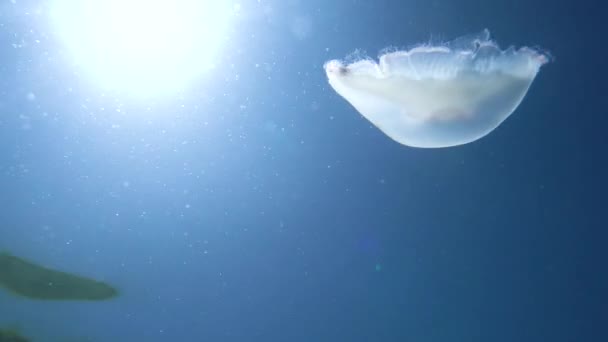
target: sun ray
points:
(142, 47)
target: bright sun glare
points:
(142, 46)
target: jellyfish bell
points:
(439, 96)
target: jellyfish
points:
(443, 95)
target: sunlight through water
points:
(143, 47)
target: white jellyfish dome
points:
(439, 96)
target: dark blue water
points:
(257, 205)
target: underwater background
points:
(258, 205)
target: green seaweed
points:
(7, 335)
(26, 279)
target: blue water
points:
(257, 205)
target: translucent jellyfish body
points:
(439, 96)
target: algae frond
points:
(26, 279)
(7, 335)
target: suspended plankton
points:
(439, 96)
